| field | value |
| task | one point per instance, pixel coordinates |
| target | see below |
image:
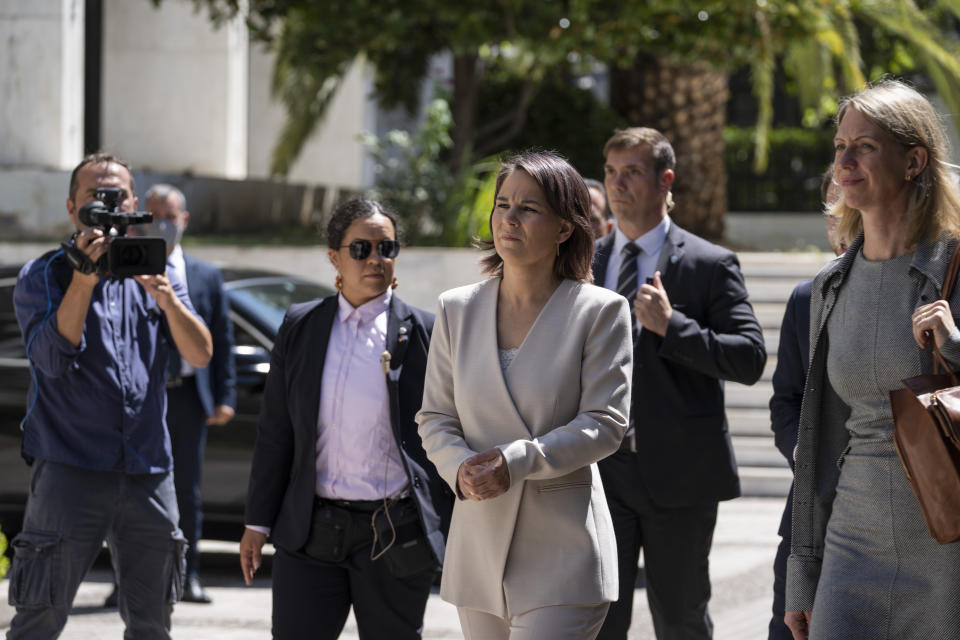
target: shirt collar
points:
(651, 242)
(368, 310)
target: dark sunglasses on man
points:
(360, 249)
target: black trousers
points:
(778, 630)
(187, 423)
(676, 547)
(312, 599)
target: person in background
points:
(694, 328)
(95, 433)
(789, 378)
(528, 386)
(196, 398)
(862, 563)
(600, 221)
(340, 482)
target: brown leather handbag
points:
(926, 433)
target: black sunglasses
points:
(360, 249)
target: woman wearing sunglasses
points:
(340, 481)
(528, 386)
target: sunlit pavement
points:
(743, 549)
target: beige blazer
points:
(557, 409)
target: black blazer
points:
(677, 404)
(283, 476)
(789, 380)
(215, 382)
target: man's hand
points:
(250, 558)
(652, 306)
(484, 476)
(159, 288)
(94, 244)
(222, 414)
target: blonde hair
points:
(933, 205)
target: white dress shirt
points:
(650, 245)
(176, 261)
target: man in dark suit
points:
(196, 398)
(694, 328)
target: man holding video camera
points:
(94, 430)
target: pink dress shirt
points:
(357, 455)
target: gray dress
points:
(883, 575)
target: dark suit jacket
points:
(677, 405)
(789, 378)
(283, 477)
(216, 382)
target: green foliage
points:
(434, 204)
(561, 118)
(4, 562)
(791, 182)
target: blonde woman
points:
(862, 564)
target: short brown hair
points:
(567, 196)
(663, 156)
(100, 157)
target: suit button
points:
(416, 482)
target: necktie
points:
(627, 276)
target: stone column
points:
(174, 89)
(41, 81)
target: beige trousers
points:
(563, 622)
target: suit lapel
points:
(671, 254)
(601, 258)
(399, 332)
(191, 276)
(489, 358)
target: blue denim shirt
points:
(101, 405)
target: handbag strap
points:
(946, 292)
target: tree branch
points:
(515, 118)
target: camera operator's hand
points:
(94, 243)
(159, 288)
(190, 336)
(72, 313)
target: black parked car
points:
(258, 301)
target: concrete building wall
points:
(41, 82)
(332, 155)
(174, 89)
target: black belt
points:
(363, 506)
(178, 381)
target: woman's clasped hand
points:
(484, 476)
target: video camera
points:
(125, 256)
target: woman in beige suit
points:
(527, 386)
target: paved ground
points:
(743, 550)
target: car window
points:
(268, 302)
